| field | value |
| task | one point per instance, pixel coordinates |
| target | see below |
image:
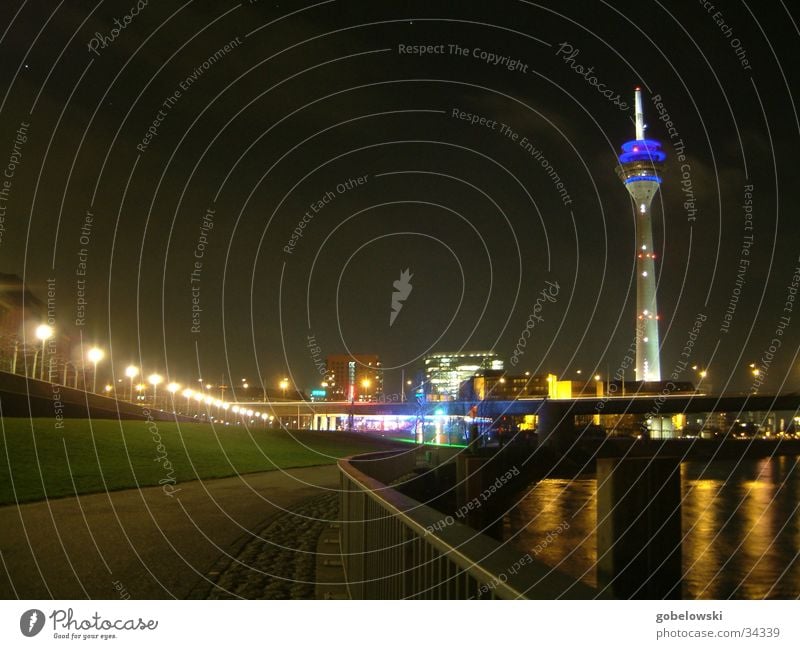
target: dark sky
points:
(311, 95)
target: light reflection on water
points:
(741, 526)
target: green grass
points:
(42, 461)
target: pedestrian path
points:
(143, 543)
(281, 560)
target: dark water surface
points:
(741, 525)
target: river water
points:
(741, 525)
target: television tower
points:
(640, 165)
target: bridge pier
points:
(470, 477)
(556, 427)
(639, 528)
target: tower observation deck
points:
(640, 165)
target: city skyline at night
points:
(374, 302)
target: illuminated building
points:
(356, 377)
(639, 169)
(444, 373)
(496, 384)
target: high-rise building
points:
(356, 377)
(640, 166)
(445, 372)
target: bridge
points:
(555, 416)
(632, 404)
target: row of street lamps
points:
(45, 332)
(95, 355)
(222, 406)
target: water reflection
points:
(741, 525)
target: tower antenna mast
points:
(639, 114)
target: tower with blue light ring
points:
(640, 165)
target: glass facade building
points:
(445, 372)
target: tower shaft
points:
(648, 363)
(640, 167)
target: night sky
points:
(258, 111)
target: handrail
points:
(396, 547)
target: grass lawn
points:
(88, 456)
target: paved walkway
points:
(142, 544)
(281, 561)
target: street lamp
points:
(95, 355)
(172, 388)
(154, 380)
(66, 370)
(131, 372)
(284, 384)
(188, 392)
(44, 333)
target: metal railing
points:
(394, 547)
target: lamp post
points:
(172, 388)
(188, 393)
(44, 333)
(66, 370)
(284, 384)
(218, 405)
(155, 379)
(95, 355)
(131, 372)
(14, 361)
